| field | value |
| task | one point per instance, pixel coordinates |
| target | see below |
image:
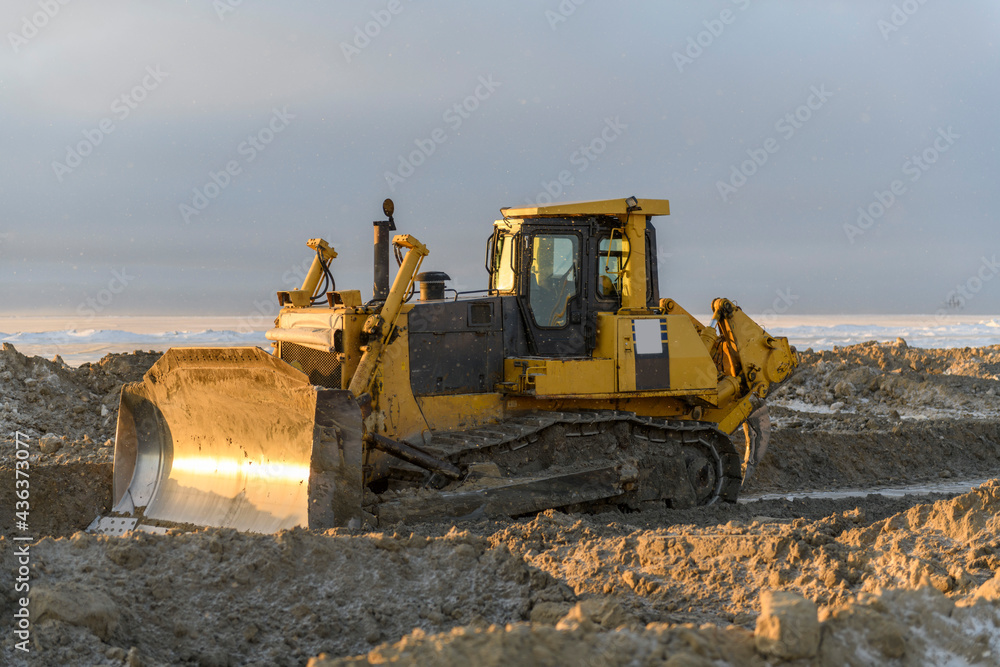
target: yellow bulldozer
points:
(568, 383)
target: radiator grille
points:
(323, 368)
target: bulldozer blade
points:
(235, 438)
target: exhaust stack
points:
(380, 290)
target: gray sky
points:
(114, 113)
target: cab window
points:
(503, 263)
(554, 277)
(610, 258)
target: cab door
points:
(552, 295)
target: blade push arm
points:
(758, 360)
(304, 297)
(380, 326)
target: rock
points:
(87, 440)
(843, 389)
(989, 591)
(116, 653)
(900, 343)
(549, 613)
(49, 443)
(687, 660)
(858, 635)
(109, 443)
(596, 612)
(127, 555)
(837, 406)
(788, 626)
(76, 605)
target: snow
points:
(76, 344)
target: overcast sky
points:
(769, 125)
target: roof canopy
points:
(587, 208)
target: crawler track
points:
(542, 460)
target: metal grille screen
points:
(323, 368)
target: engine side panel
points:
(456, 347)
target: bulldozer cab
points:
(563, 271)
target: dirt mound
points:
(873, 378)
(828, 454)
(714, 574)
(64, 498)
(222, 597)
(40, 397)
(681, 587)
(896, 627)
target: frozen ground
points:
(81, 340)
